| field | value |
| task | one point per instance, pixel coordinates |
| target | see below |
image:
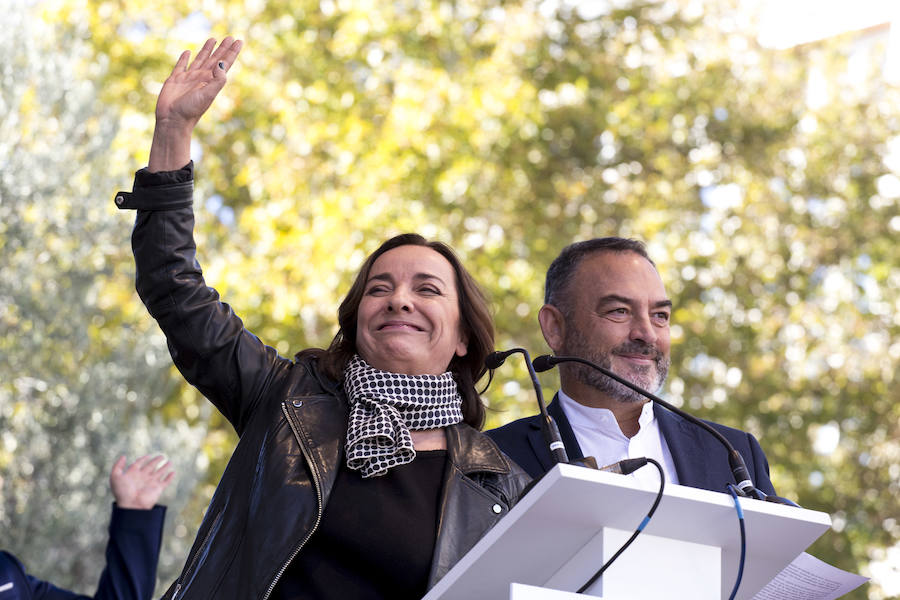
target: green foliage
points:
(509, 130)
(82, 372)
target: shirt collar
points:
(599, 418)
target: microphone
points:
(548, 424)
(541, 363)
(495, 359)
(735, 460)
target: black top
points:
(376, 538)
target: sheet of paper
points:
(808, 578)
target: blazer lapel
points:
(695, 452)
(684, 446)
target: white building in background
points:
(873, 25)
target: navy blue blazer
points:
(701, 460)
(132, 553)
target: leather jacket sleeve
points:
(207, 341)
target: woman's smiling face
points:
(408, 319)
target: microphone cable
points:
(629, 466)
(740, 513)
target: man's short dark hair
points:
(563, 267)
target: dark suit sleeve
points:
(16, 584)
(523, 440)
(132, 554)
(512, 439)
(760, 467)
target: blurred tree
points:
(510, 129)
(82, 373)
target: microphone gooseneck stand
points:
(736, 461)
(550, 431)
(548, 424)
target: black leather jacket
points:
(291, 420)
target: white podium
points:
(575, 518)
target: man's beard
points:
(646, 377)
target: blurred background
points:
(754, 146)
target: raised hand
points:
(185, 96)
(190, 89)
(140, 484)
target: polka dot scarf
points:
(384, 406)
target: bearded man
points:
(605, 302)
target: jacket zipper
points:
(193, 562)
(314, 471)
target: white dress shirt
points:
(599, 435)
